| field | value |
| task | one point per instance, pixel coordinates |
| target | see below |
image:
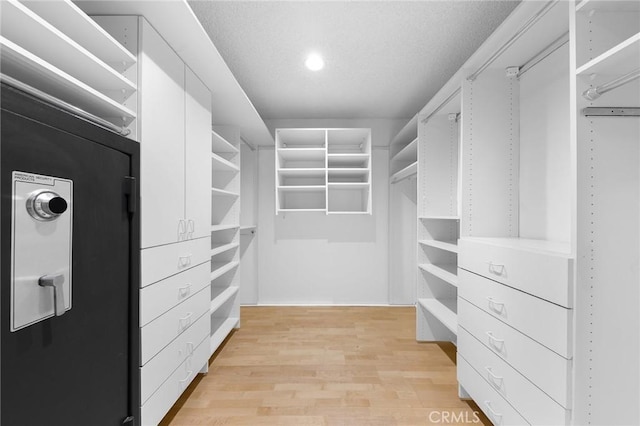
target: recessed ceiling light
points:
(314, 62)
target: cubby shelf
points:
(222, 247)
(217, 228)
(446, 272)
(26, 29)
(31, 70)
(222, 298)
(439, 217)
(619, 60)
(450, 246)
(324, 170)
(445, 310)
(408, 153)
(222, 268)
(407, 172)
(75, 24)
(223, 193)
(220, 164)
(221, 333)
(221, 145)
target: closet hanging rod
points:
(513, 39)
(65, 106)
(611, 112)
(557, 44)
(594, 93)
(446, 101)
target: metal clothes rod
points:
(446, 101)
(557, 44)
(611, 112)
(64, 105)
(595, 92)
(512, 40)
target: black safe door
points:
(72, 369)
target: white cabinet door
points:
(162, 134)
(198, 156)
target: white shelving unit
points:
(606, 40)
(323, 170)
(438, 221)
(225, 233)
(80, 63)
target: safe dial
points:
(45, 205)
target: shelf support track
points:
(611, 112)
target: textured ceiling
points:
(384, 59)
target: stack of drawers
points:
(174, 321)
(514, 336)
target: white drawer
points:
(163, 399)
(542, 274)
(158, 298)
(158, 263)
(544, 322)
(161, 331)
(167, 360)
(545, 368)
(499, 411)
(534, 405)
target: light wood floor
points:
(325, 366)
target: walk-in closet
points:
(320, 212)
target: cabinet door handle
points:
(492, 341)
(493, 268)
(495, 306)
(182, 230)
(493, 413)
(191, 227)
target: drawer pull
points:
(190, 348)
(496, 268)
(184, 261)
(493, 340)
(494, 415)
(185, 321)
(495, 306)
(182, 382)
(184, 291)
(493, 379)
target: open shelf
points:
(222, 298)
(347, 185)
(28, 68)
(26, 29)
(221, 145)
(222, 247)
(450, 246)
(221, 333)
(74, 23)
(446, 272)
(408, 153)
(220, 164)
(222, 268)
(410, 170)
(553, 248)
(302, 154)
(444, 310)
(619, 60)
(303, 172)
(301, 188)
(217, 228)
(223, 193)
(348, 161)
(439, 217)
(586, 6)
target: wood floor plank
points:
(325, 366)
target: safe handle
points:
(55, 281)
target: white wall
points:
(311, 258)
(248, 293)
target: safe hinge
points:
(131, 192)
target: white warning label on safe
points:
(33, 178)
